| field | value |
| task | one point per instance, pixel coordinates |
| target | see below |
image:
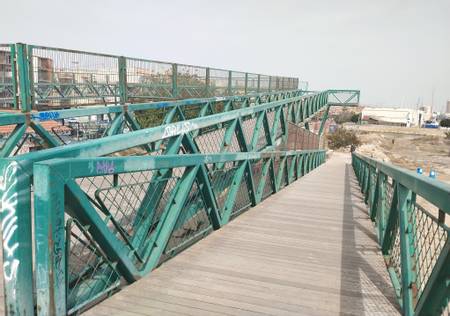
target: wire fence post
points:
(24, 77)
(229, 90)
(246, 83)
(259, 84)
(208, 81)
(123, 80)
(174, 80)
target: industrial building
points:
(397, 116)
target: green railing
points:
(409, 212)
(256, 128)
(103, 220)
(26, 131)
(49, 77)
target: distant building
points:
(448, 107)
(394, 116)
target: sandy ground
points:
(407, 147)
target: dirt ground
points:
(407, 147)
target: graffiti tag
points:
(179, 128)
(9, 222)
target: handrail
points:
(194, 194)
(256, 128)
(409, 212)
(163, 112)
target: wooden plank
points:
(308, 250)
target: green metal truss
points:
(409, 212)
(134, 115)
(185, 197)
(255, 128)
(127, 116)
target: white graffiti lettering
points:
(9, 221)
(179, 128)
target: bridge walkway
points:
(308, 250)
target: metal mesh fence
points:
(90, 275)
(148, 79)
(238, 83)
(7, 77)
(64, 78)
(218, 82)
(191, 81)
(429, 237)
(252, 83)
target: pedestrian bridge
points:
(310, 249)
(225, 203)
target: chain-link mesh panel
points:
(389, 195)
(252, 83)
(242, 201)
(264, 82)
(131, 204)
(248, 128)
(192, 224)
(429, 237)
(221, 178)
(237, 83)
(394, 259)
(257, 166)
(210, 141)
(148, 79)
(90, 275)
(218, 81)
(191, 111)
(191, 81)
(63, 78)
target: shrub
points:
(346, 116)
(343, 138)
(445, 122)
(355, 118)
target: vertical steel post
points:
(208, 81)
(24, 77)
(230, 89)
(404, 209)
(13, 57)
(15, 216)
(123, 80)
(50, 242)
(246, 83)
(259, 83)
(174, 81)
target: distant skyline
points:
(396, 52)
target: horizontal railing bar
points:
(433, 190)
(15, 118)
(82, 167)
(119, 142)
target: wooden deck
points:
(308, 250)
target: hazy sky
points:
(394, 51)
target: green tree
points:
(445, 122)
(343, 138)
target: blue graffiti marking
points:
(45, 116)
